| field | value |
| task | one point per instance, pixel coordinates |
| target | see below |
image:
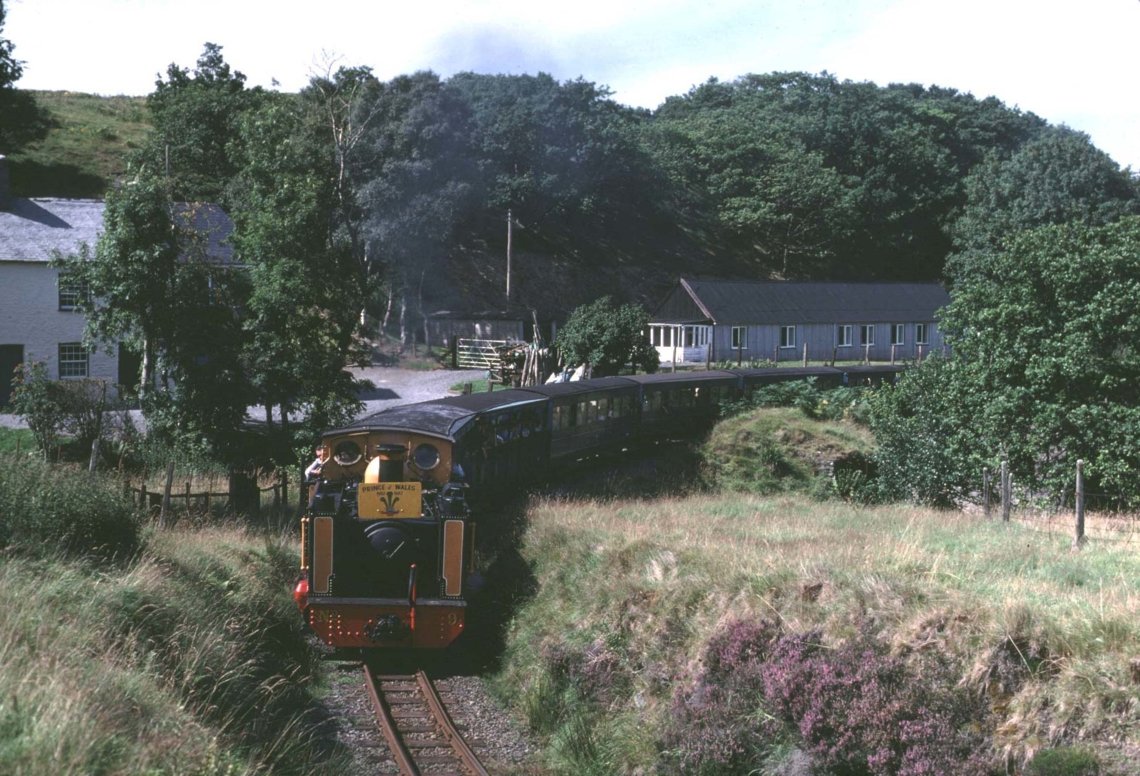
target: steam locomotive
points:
(387, 540)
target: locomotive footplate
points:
(431, 623)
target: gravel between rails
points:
(499, 742)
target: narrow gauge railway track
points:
(420, 734)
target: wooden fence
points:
(247, 498)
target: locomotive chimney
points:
(391, 462)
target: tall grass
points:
(188, 659)
(630, 593)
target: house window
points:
(897, 337)
(867, 334)
(739, 337)
(72, 360)
(920, 334)
(843, 336)
(787, 336)
(71, 292)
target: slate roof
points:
(742, 302)
(31, 229)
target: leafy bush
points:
(35, 398)
(49, 509)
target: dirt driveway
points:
(393, 386)
(404, 386)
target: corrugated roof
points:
(744, 302)
(32, 229)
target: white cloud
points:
(1065, 61)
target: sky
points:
(1071, 62)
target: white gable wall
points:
(30, 316)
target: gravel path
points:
(393, 386)
(406, 386)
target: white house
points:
(38, 318)
(703, 321)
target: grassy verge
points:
(713, 634)
(128, 650)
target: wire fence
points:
(999, 500)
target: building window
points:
(71, 292)
(867, 334)
(920, 334)
(897, 337)
(787, 336)
(72, 360)
(843, 336)
(739, 337)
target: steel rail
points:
(387, 722)
(447, 727)
(444, 735)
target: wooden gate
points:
(479, 354)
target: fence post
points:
(986, 485)
(805, 354)
(894, 347)
(166, 495)
(187, 497)
(1079, 537)
(1006, 491)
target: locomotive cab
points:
(387, 543)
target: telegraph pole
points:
(508, 255)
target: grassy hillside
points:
(746, 634)
(85, 149)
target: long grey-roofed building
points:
(704, 321)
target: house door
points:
(10, 357)
(130, 362)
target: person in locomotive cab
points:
(314, 469)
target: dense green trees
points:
(1043, 370)
(1057, 177)
(196, 115)
(810, 177)
(305, 287)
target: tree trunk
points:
(403, 322)
(423, 313)
(94, 460)
(146, 377)
(387, 312)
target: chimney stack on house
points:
(4, 193)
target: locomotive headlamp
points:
(425, 457)
(347, 453)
